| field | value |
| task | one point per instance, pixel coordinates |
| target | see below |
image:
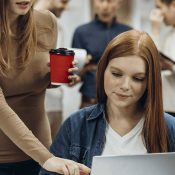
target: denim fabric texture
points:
(82, 135)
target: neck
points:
(123, 120)
(107, 23)
(125, 113)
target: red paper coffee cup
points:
(60, 61)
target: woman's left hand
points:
(74, 78)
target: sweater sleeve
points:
(17, 131)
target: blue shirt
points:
(82, 136)
(94, 37)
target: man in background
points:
(165, 41)
(94, 37)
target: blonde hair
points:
(26, 38)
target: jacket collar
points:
(98, 111)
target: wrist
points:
(45, 164)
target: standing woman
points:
(26, 36)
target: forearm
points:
(16, 130)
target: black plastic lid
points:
(62, 51)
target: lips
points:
(106, 14)
(123, 95)
(23, 3)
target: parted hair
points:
(139, 43)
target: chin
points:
(24, 12)
(121, 104)
(105, 20)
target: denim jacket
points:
(82, 136)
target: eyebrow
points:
(137, 73)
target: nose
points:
(125, 84)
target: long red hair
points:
(139, 43)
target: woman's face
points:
(125, 80)
(19, 7)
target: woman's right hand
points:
(65, 166)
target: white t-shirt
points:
(131, 143)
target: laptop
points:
(147, 164)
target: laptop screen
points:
(147, 164)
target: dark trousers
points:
(28, 167)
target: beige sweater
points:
(22, 113)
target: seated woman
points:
(129, 117)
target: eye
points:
(140, 79)
(115, 74)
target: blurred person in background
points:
(55, 6)
(165, 13)
(128, 117)
(94, 37)
(26, 37)
(54, 96)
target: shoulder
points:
(47, 28)
(45, 18)
(123, 26)
(170, 121)
(83, 116)
(84, 28)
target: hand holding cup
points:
(62, 66)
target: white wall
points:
(140, 14)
